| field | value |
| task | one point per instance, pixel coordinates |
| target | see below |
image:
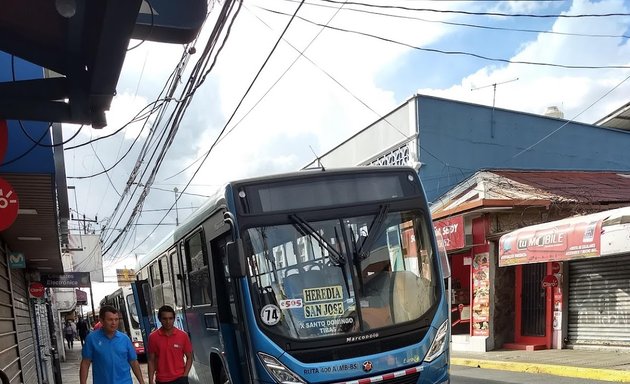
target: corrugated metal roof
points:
(503, 189)
(619, 119)
(582, 186)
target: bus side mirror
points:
(236, 261)
(446, 267)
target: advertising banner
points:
(452, 231)
(87, 255)
(481, 294)
(568, 239)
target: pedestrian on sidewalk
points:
(69, 334)
(82, 328)
(110, 353)
(168, 346)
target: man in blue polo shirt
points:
(110, 353)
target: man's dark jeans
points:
(181, 380)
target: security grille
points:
(397, 156)
(599, 301)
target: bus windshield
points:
(341, 276)
(133, 311)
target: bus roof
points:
(219, 199)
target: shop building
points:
(448, 141)
(526, 253)
(33, 223)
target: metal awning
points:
(599, 234)
(35, 232)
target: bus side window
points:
(184, 271)
(154, 271)
(166, 273)
(157, 296)
(198, 272)
(167, 282)
(177, 280)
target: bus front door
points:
(142, 298)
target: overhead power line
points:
(471, 13)
(202, 68)
(408, 16)
(461, 53)
(264, 64)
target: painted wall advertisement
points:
(568, 239)
(481, 294)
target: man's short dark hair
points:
(106, 308)
(165, 308)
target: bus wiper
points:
(305, 229)
(375, 229)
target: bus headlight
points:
(279, 372)
(437, 347)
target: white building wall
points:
(396, 133)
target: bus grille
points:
(410, 379)
(408, 376)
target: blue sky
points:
(307, 110)
(493, 43)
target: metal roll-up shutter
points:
(9, 352)
(24, 327)
(599, 301)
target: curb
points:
(556, 370)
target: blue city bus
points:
(320, 276)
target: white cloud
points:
(309, 109)
(572, 90)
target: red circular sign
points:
(8, 205)
(555, 267)
(36, 289)
(550, 281)
(4, 139)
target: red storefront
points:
(470, 259)
(566, 290)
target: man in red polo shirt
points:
(167, 348)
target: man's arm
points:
(151, 364)
(83, 370)
(189, 361)
(135, 367)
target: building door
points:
(533, 306)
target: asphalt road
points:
(469, 375)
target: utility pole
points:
(494, 95)
(176, 212)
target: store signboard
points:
(452, 231)
(125, 277)
(81, 297)
(66, 280)
(567, 239)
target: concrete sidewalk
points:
(602, 365)
(70, 367)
